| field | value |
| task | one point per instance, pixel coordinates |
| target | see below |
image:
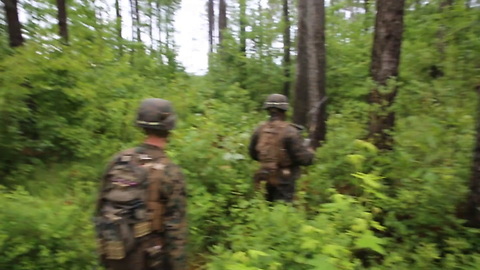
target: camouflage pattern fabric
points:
(172, 239)
(297, 152)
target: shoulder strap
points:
(154, 203)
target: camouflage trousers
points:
(282, 191)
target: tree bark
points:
(211, 23)
(137, 21)
(384, 66)
(319, 129)
(222, 20)
(62, 20)
(301, 85)
(243, 25)
(286, 49)
(13, 23)
(313, 93)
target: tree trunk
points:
(222, 20)
(243, 25)
(286, 49)
(385, 62)
(118, 26)
(13, 23)
(473, 206)
(313, 94)
(319, 113)
(301, 85)
(62, 20)
(150, 25)
(211, 23)
(137, 21)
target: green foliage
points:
(53, 233)
(65, 109)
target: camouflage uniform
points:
(292, 147)
(163, 247)
(299, 155)
(173, 238)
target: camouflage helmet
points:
(156, 113)
(276, 101)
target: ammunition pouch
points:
(116, 236)
(119, 228)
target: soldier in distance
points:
(279, 148)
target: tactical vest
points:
(129, 206)
(271, 151)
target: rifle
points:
(313, 111)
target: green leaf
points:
(370, 241)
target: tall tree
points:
(301, 85)
(137, 21)
(318, 128)
(211, 23)
(313, 69)
(286, 48)
(13, 23)
(384, 66)
(222, 19)
(62, 20)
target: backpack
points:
(271, 151)
(128, 207)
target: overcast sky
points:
(192, 36)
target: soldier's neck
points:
(156, 141)
(278, 117)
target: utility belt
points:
(272, 176)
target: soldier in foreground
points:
(141, 210)
(280, 149)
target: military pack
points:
(271, 151)
(129, 207)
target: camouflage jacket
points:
(293, 144)
(172, 192)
